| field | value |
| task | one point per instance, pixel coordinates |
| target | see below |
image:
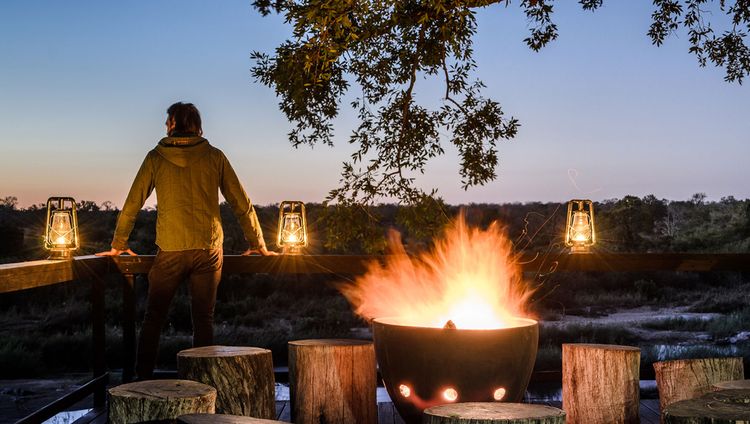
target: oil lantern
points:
(61, 235)
(580, 234)
(292, 234)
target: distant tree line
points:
(629, 224)
(46, 329)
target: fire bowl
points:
(424, 367)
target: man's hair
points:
(187, 119)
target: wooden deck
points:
(387, 413)
(92, 270)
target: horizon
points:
(154, 206)
(604, 113)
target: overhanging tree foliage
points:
(381, 47)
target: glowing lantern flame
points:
(292, 225)
(62, 229)
(469, 278)
(499, 394)
(581, 229)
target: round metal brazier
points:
(420, 365)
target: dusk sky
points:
(84, 87)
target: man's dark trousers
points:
(202, 269)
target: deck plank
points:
(95, 416)
(385, 413)
(283, 412)
(649, 412)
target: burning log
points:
(722, 407)
(332, 381)
(690, 378)
(242, 376)
(601, 383)
(155, 400)
(493, 413)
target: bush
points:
(678, 324)
(67, 351)
(19, 360)
(586, 333)
(723, 300)
(731, 324)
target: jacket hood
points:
(182, 151)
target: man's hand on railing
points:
(262, 251)
(116, 252)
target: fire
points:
(469, 280)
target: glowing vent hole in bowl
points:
(450, 394)
(404, 390)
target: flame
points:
(469, 278)
(581, 228)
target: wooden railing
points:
(92, 270)
(89, 270)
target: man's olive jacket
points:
(187, 173)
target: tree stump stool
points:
(730, 385)
(242, 376)
(690, 378)
(601, 383)
(332, 381)
(155, 400)
(222, 419)
(721, 407)
(493, 413)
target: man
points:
(187, 173)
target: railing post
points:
(128, 327)
(95, 275)
(98, 336)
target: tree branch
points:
(447, 86)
